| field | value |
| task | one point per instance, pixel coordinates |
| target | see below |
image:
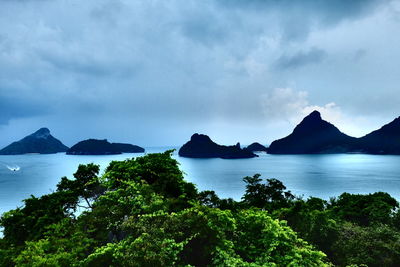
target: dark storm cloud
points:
(300, 59)
(156, 71)
(298, 17)
(14, 108)
(359, 54)
(205, 33)
(86, 65)
(327, 11)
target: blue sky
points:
(154, 72)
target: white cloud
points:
(284, 103)
(293, 106)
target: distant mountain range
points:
(315, 136)
(201, 146)
(39, 142)
(312, 135)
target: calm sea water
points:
(308, 175)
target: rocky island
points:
(385, 140)
(257, 147)
(201, 146)
(102, 147)
(128, 148)
(41, 142)
(314, 136)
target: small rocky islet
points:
(257, 147)
(102, 147)
(201, 146)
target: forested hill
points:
(141, 212)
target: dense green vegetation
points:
(141, 212)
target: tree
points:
(271, 195)
(364, 209)
(86, 185)
(312, 222)
(377, 245)
(261, 239)
(31, 221)
(62, 245)
(209, 198)
(159, 170)
(203, 236)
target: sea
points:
(323, 176)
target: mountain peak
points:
(315, 115)
(43, 130)
(200, 138)
(40, 141)
(395, 124)
(42, 133)
(311, 123)
(312, 135)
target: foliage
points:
(86, 184)
(266, 196)
(142, 251)
(61, 245)
(272, 241)
(30, 222)
(377, 245)
(141, 212)
(203, 236)
(364, 209)
(312, 222)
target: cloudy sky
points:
(153, 72)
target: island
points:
(257, 147)
(314, 136)
(41, 142)
(128, 148)
(102, 147)
(385, 140)
(201, 146)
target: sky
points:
(153, 72)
